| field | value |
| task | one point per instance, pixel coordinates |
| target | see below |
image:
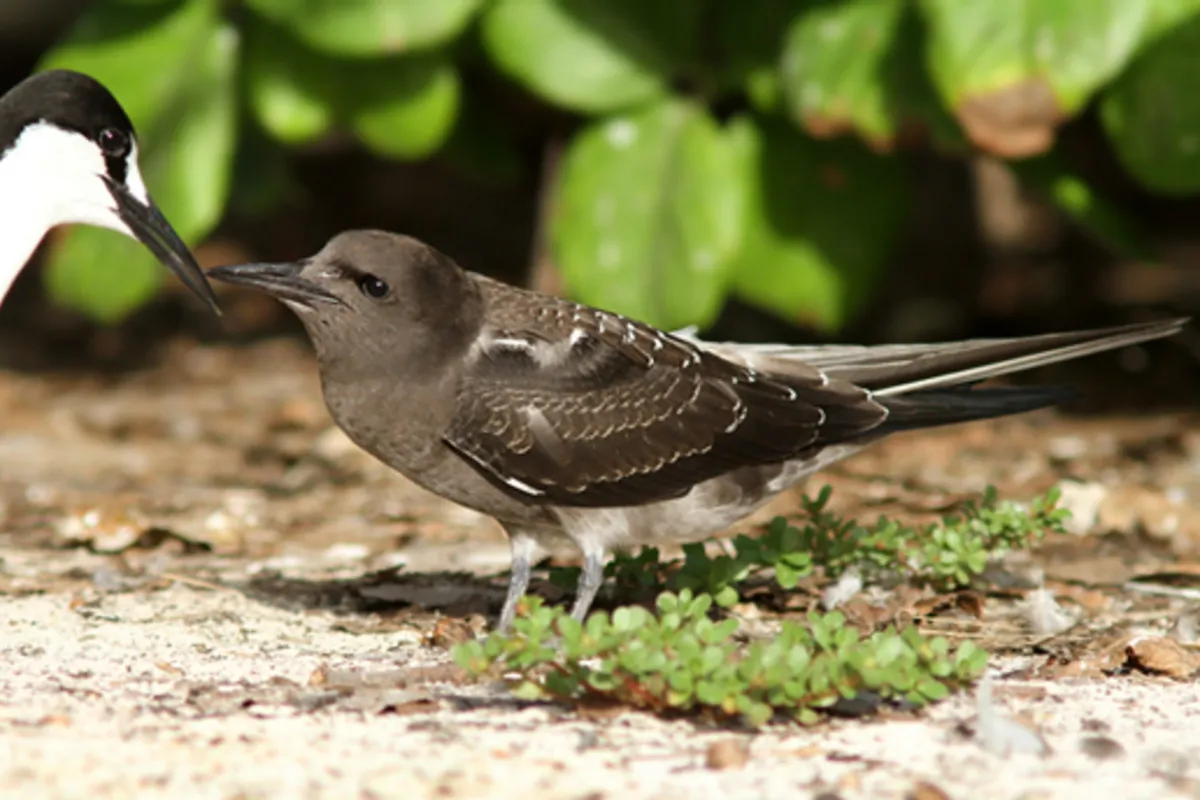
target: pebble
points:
(1083, 500)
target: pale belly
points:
(708, 509)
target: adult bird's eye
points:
(114, 143)
(372, 286)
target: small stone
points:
(924, 790)
(333, 445)
(1067, 448)
(106, 528)
(727, 754)
(347, 551)
(1139, 508)
(1187, 629)
(1044, 615)
(1163, 656)
(999, 734)
(298, 414)
(837, 593)
(1101, 747)
(1083, 500)
(319, 676)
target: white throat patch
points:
(49, 177)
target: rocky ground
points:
(208, 592)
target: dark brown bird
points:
(567, 423)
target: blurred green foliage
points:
(725, 148)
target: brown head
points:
(374, 302)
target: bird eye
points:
(114, 143)
(372, 286)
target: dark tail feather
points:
(891, 370)
(897, 370)
(946, 406)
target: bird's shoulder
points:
(563, 402)
(555, 334)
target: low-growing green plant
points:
(681, 660)
(947, 554)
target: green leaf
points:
(681, 681)
(699, 605)
(192, 168)
(1013, 71)
(726, 597)
(785, 576)
(289, 87)
(834, 68)
(1152, 114)
(528, 690)
(712, 658)
(137, 51)
(364, 28)
(1167, 14)
(588, 56)
(402, 108)
(666, 602)
(597, 624)
(570, 629)
(629, 618)
(1094, 213)
(469, 656)
(932, 689)
(562, 685)
(710, 692)
(820, 220)
(648, 215)
(101, 273)
(174, 72)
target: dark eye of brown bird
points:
(114, 143)
(373, 286)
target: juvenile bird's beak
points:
(152, 229)
(282, 281)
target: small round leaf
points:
(648, 216)
(288, 86)
(590, 56)
(820, 220)
(402, 108)
(365, 28)
(1152, 114)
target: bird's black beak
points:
(152, 229)
(281, 281)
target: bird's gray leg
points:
(589, 580)
(523, 547)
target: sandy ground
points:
(209, 593)
(186, 692)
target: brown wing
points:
(580, 407)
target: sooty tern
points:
(571, 424)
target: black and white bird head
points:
(371, 298)
(68, 154)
